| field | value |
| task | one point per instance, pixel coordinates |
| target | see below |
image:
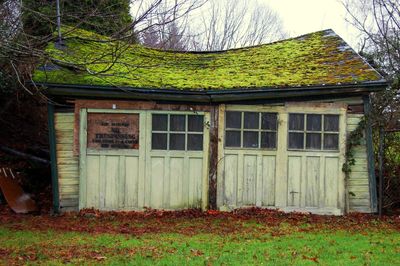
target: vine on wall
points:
(354, 139)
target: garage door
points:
(286, 157)
(137, 159)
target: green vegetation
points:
(328, 248)
(354, 139)
(313, 59)
(244, 237)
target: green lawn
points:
(204, 240)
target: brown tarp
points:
(17, 199)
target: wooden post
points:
(381, 143)
(370, 152)
(212, 196)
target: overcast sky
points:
(301, 16)
(305, 16)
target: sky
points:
(305, 16)
(301, 16)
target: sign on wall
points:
(112, 131)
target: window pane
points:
(159, 122)
(331, 142)
(313, 141)
(314, 122)
(268, 121)
(195, 123)
(195, 142)
(296, 140)
(268, 140)
(250, 139)
(233, 119)
(177, 123)
(296, 121)
(331, 123)
(251, 120)
(177, 141)
(159, 141)
(232, 139)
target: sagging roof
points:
(316, 59)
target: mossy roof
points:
(320, 58)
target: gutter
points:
(209, 96)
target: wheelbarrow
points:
(17, 199)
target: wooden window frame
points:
(259, 130)
(186, 132)
(322, 132)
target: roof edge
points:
(379, 84)
(207, 96)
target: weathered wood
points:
(126, 106)
(268, 184)
(359, 176)
(67, 163)
(213, 158)
(304, 180)
(355, 109)
(134, 179)
(294, 179)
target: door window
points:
(179, 132)
(313, 132)
(250, 130)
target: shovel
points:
(17, 199)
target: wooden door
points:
(247, 156)
(177, 160)
(123, 166)
(112, 155)
(296, 167)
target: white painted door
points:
(288, 157)
(112, 156)
(177, 160)
(124, 165)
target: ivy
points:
(354, 139)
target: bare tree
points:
(232, 23)
(378, 22)
(167, 28)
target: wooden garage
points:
(134, 128)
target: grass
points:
(252, 242)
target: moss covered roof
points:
(320, 58)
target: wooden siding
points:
(67, 163)
(358, 183)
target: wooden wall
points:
(358, 184)
(67, 162)
(68, 166)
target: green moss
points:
(313, 59)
